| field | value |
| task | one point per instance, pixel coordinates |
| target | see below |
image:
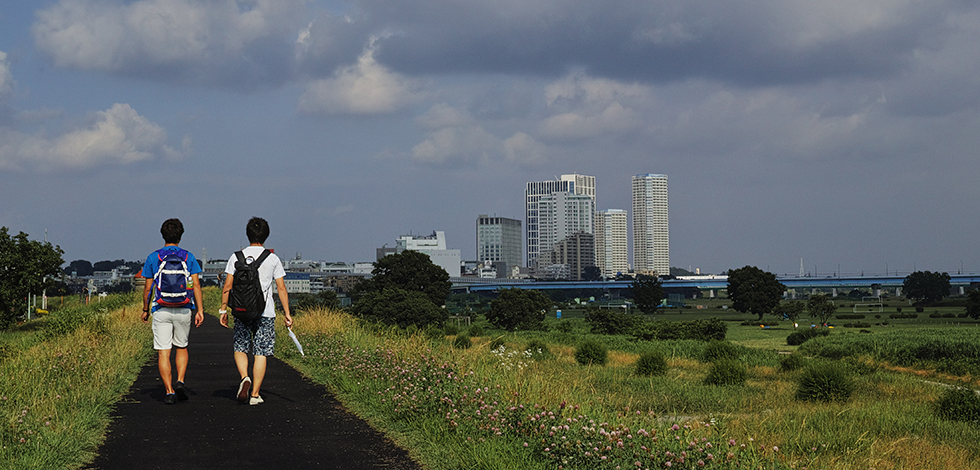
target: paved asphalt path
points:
(299, 426)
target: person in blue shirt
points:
(172, 324)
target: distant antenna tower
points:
(801, 267)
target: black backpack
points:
(246, 299)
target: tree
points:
(821, 308)
(648, 293)
(973, 304)
(518, 309)
(24, 269)
(80, 267)
(411, 271)
(400, 307)
(754, 290)
(791, 310)
(926, 286)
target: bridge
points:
(960, 282)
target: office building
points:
(611, 246)
(574, 184)
(651, 234)
(498, 240)
(570, 259)
(435, 246)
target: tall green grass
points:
(60, 377)
(471, 408)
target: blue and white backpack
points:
(172, 278)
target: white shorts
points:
(171, 327)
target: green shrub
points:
(563, 326)
(434, 332)
(607, 321)
(726, 372)
(958, 404)
(719, 350)
(538, 349)
(824, 382)
(791, 362)
(700, 330)
(462, 341)
(476, 331)
(799, 337)
(591, 352)
(651, 363)
(451, 329)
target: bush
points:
(699, 330)
(799, 337)
(538, 349)
(563, 326)
(462, 341)
(958, 404)
(518, 309)
(825, 382)
(451, 329)
(607, 321)
(591, 352)
(476, 331)
(719, 350)
(920, 309)
(726, 372)
(434, 332)
(399, 307)
(791, 362)
(650, 364)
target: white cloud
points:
(118, 135)
(454, 135)
(6, 78)
(522, 148)
(587, 107)
(165, 37)
(364, 88)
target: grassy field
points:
(60, 377)
(493, 405)
(485, 407)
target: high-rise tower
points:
(651, 234)
(498, 239)
(573, 184)
(610, 242)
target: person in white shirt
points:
(257, 338)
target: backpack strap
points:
(265, 254)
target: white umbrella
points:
(295, 340)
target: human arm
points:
(198, 301)
(225, 290)
(284, 299)
(147, 288)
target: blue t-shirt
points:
(152, 265)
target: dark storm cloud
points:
(749, 43)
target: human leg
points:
(258, 374)
(163, 364)
(264, 346)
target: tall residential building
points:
(498, 239)
(573, 184)
(651, 234)
(611, 242)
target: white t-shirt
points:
(270, 270)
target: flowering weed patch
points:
(481, 407)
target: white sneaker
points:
(255, 400)
(243, 389)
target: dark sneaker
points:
(181, 391)
(243, 389)
(170, 399)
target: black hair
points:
(172, 230)
(257, 230)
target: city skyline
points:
(843, 133)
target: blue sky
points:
(843, 133)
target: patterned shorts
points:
(258, 338)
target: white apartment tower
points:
(498, 239)
(561, 215)
(573, 184)
(611, 242)
(651, 234)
